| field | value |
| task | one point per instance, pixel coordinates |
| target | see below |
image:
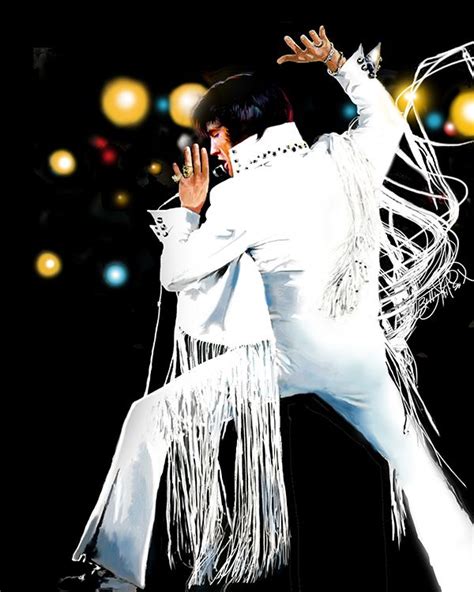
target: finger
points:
(315, 37)
(307, 42)
(294, 46)
(322, 34)
(177, 171)
(205, 162)
(196, 159)
(187, 156)
(287, 58)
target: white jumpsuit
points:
(286, 207)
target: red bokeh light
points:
(109, 156)
(99, 142)
(449, 129)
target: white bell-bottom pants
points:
(442, 525)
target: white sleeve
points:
(380, 124)
(191, 252)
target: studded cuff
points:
(179, 220)
(359, 64)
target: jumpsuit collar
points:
(275, 142)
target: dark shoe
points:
(94, 579)
(112, 584)
(88, 581)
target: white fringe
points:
(398, 510)
(342, 292)
(420, 274)
(243, 389)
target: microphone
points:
(219, 171)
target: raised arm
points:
(380, 124)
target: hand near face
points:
(193, 190)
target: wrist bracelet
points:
(332, 51)
(336, 71)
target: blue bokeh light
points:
(162, 104)
(434, 120)
(349, 110)
(115, 274)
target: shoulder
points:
(319, 160)
(324, 143)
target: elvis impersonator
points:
(294, 283)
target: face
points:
(220, 144)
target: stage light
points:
(155, 168)
(405, 97)
(434, 120)
(183, 141)
(125, 101)
(62, 162)
(109, 156)
(349, 110)
(449, 129)
(121, 199)
(99, 142)
(162, 104)
(461, 113)
(115, 274)
(48, 264)
(183, 99)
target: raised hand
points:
(193, 189)
(317, 49)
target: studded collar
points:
(276, 141)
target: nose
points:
(214, 150)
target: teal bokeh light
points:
(115, 274)
(434, 120)
(162, 104)
(349, 110)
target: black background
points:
(89, 346)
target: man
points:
(306, 218)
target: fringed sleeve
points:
(417, 270)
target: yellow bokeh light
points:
(125, 101)
(121, 199)
(404, 96)
(48, 264)
(62, 162)
(461, 113)
(155, 168)
(410, 96)
(183, 99)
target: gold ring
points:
(187, 170)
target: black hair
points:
(245, 103)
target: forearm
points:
(380, 124)
(191, 253)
